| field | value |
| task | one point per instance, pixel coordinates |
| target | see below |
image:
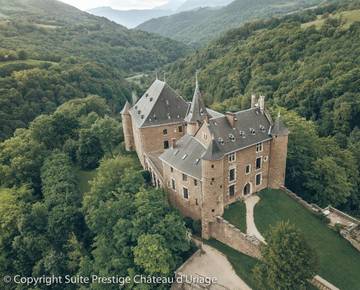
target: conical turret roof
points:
(197, 111)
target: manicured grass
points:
(83, 178)
(236, 215)
(339, 261)
(241, 263)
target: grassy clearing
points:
(236, 214)
(348, 17)
(83, 178)
(339, 261)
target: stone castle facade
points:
(205, 160)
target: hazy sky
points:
(117, 4)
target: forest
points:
(51, 52)
(312, 71)
(49, 226)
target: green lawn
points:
(339, 261)
(236, 214)
(242, 264)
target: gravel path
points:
(213, 263)
(251, 229)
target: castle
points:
(205, 160)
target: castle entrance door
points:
(247, 189)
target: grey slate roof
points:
(252, 127)
(186, 156)
(197, 111)
(159, 105)
(279, 128)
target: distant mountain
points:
(129, 18)
(133, 18)
(194, 4)
(172, 5)
(198, 27)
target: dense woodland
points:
(54, 130)
(199, 26)
(48, 226)
(51, 52)
(312, 71)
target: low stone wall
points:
(345, 216)
(322, 284)
(228, 234)
(312, 207)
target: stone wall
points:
(322, 284)
(228, 234)
(190, 207)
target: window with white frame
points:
(232, 157)
(259, 147)
(258, 179)
(248, 169)
(232, 174)
(186, 193)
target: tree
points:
(328, 182)
(109, 132)
(90, 151)
(152, 255)
(288, 261)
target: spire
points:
(197, 111)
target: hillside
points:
(193, 4)
(129, 18)
(311, 69)
(197, 27)
(51, 52)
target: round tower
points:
(278, 154)
(127, 128)
(212, 189)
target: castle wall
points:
(213, 191)
(151, 139)
(278, 161)
(190, 207)
(228, 234)
(246, 157)
(203, 135)
(128, 132)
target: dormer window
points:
(232, 137)
(184, 157)
(252, 131)
(197, 161)
(221, 141)
(151, 99)
(262, 128)
(242, 134)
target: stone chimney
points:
(231, 117)
(262, 103)
(173, 143)
(253, 101)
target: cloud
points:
(116, 4)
